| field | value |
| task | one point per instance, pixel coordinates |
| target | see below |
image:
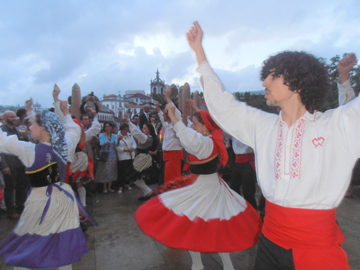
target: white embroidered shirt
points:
(307, 165)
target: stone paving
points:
(118, 243)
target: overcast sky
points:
(118, 45)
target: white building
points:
(132, 102)
(105, 117)
(136, 96)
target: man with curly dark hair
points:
(302, 74)
(303, 157)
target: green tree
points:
(331, 98)
(255, 100)
(174, 91)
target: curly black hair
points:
(302, 72)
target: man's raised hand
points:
(92, 111)
(28, 104)
(126, 117)
(194, 36)
(56, 93)
(170, 109)
(345, 65)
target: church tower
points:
(157, 86)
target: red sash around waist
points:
(245, 158)
(312, 234)
(173, 155)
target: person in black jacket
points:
(13, 171)
(145, 116)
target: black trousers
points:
(270, 256)
(126, 173)
(17, 183)
(243, 175)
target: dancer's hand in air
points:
(170, 109)
(126, 117)
(56, 93)
(194, 37)
(28, 104)
(167, 94)
(192, 104)
(345, 65)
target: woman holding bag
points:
(126, 154)
(107, 168)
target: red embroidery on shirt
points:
(318, 141)
(278, 149)
(294, 166)
(296, 149)
(168, 130)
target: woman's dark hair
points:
(156, 140)
(123, 126)
(151, 129)
(302, 72)
(38, 119)
(197, 115)
(20, 113)
(103, 129)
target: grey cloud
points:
(246, 79)
(77, 38)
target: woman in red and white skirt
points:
(204, 215)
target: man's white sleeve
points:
(72, 136)
(58, 111)
(235, 117)
(94, 130)
(346, 92)
(141, 137)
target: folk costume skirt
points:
(205, 216)
(48, 234)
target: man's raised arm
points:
(235, 117)
(345, 65)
